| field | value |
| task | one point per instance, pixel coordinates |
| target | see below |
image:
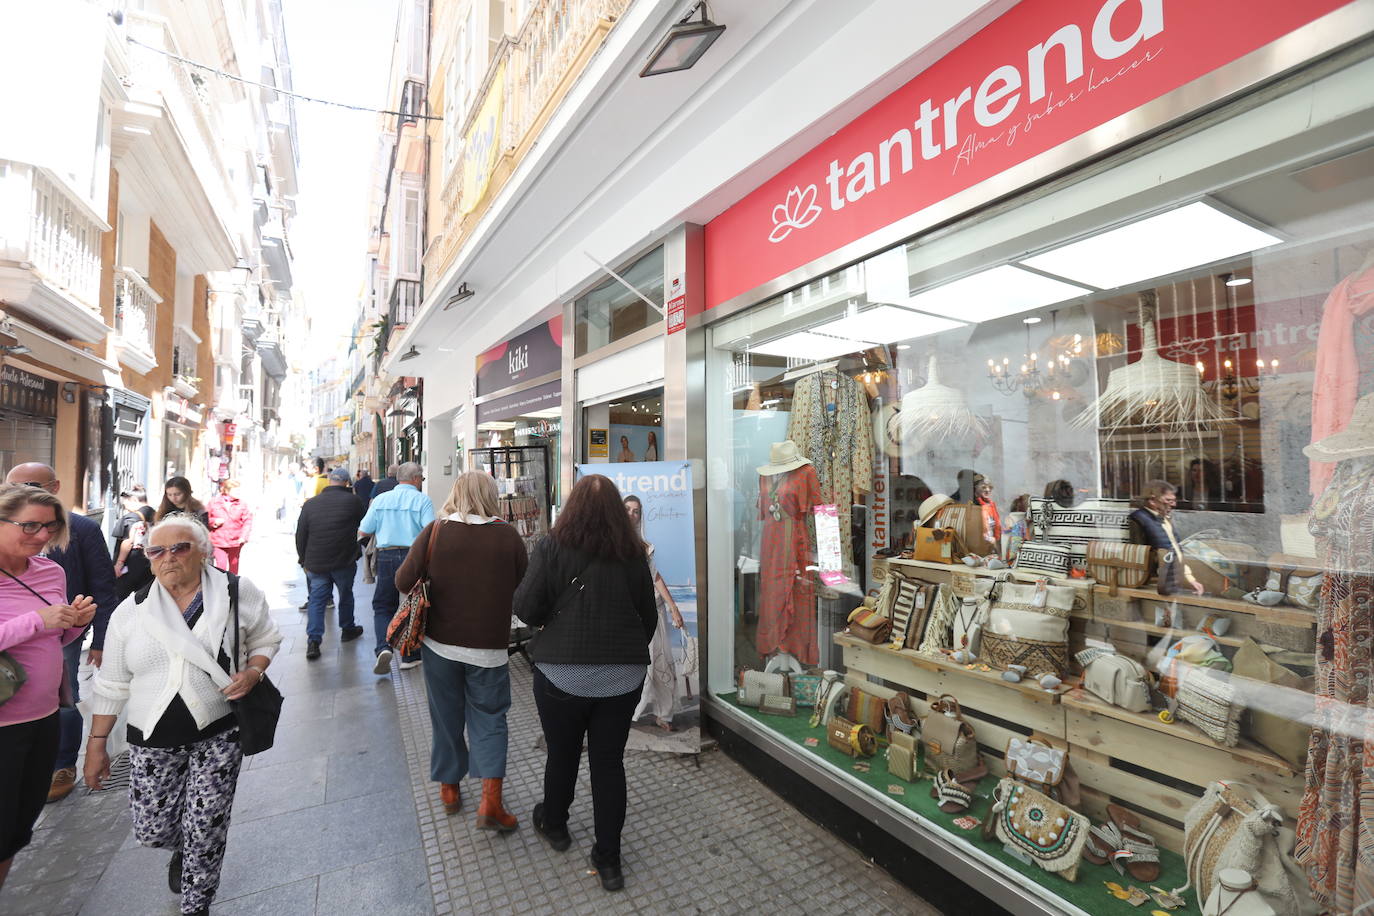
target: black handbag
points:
(258, 711)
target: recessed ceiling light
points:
(1034, 319)
(1238, 281)
(994, 293)
(887, 323)
(805, 345)
(1156, 246)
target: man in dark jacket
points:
(1153, 524)
(327, 548)
(387, 483)
(90, 571)
(363, 486)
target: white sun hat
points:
(782, 457)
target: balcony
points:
(412, 102)
(271, 353)
(405, 302)
(531, 73)
(136, 320)
(185, 375)
(179, 162)
(50, 256)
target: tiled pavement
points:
(340, 818)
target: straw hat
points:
(931, 505)
(1355, 441)
(782, 457)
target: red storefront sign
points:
(1043, 73)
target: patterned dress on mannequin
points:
(787, 589)
(833, 426)
(1336, 819)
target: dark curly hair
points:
(594, 521)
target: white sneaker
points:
(383, 665)
(406, 665)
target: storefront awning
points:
(63, 357)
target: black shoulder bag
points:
(258, 711)
(571, 590)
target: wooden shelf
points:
(973, 672)
(1141, 626)
(1247, 751)
(1285, 615)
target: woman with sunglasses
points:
(168, 660)
(35, 623)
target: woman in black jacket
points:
(588, 586)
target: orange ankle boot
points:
(490, 814)
(450, 796)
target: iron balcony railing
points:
(405, 302)
(135, 310)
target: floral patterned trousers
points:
(181, 797)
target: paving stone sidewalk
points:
(340, 817)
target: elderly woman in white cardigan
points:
(167, 659)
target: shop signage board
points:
(1043, 73)
(540, 397)
(482, 142)
(535, 353)
(664, 491)
(24, 392)
(598, 443)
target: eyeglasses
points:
(177, 549)
(32, 528)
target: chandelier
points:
(1031, 379)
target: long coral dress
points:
(787, 589)
(1336, 818)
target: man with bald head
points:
(90, 571)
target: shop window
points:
(614, 310)
(628, 428)
(1013, 399)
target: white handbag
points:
(1119, 680)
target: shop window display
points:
(1054, 526)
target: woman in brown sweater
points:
(477, 562)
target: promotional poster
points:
(658, 497)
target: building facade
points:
(1008, 249)
(137, 272)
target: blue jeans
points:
(69, 719)
(320, 585)
(385, 598)
(463, 696)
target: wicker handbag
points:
(1207, 699)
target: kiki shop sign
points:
(1043, 73)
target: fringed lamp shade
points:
(1152, 391)
(935, 412)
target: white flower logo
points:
(798, 212)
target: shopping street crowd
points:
(181, 645)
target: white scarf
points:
(470, 519)
(200, 645)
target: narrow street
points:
(340, 816)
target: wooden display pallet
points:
(940, 573)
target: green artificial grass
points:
(1088, 893)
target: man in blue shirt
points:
(90, 571)
(395, 519)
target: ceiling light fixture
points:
(1233, 280)
(410, 354)
(1156, 246)
(684, 44)
(808, 346)
(886, 323)
(994, 293)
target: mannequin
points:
(1335, 833)
(788, 489)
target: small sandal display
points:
(899, 716)
(1123, 844)
(955, 793)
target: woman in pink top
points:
(35, 623)
(231, 522)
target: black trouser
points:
(27, 752)
(606, 723)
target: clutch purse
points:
(868, 625)
(901, 756)
(806, 688)
(778, 706)
(1046, 832)
(867, 709)
(853, 739)
(1117, 564)
(755, 685)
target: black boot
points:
(608, 870)
(174, 873)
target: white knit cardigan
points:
(150, 656)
